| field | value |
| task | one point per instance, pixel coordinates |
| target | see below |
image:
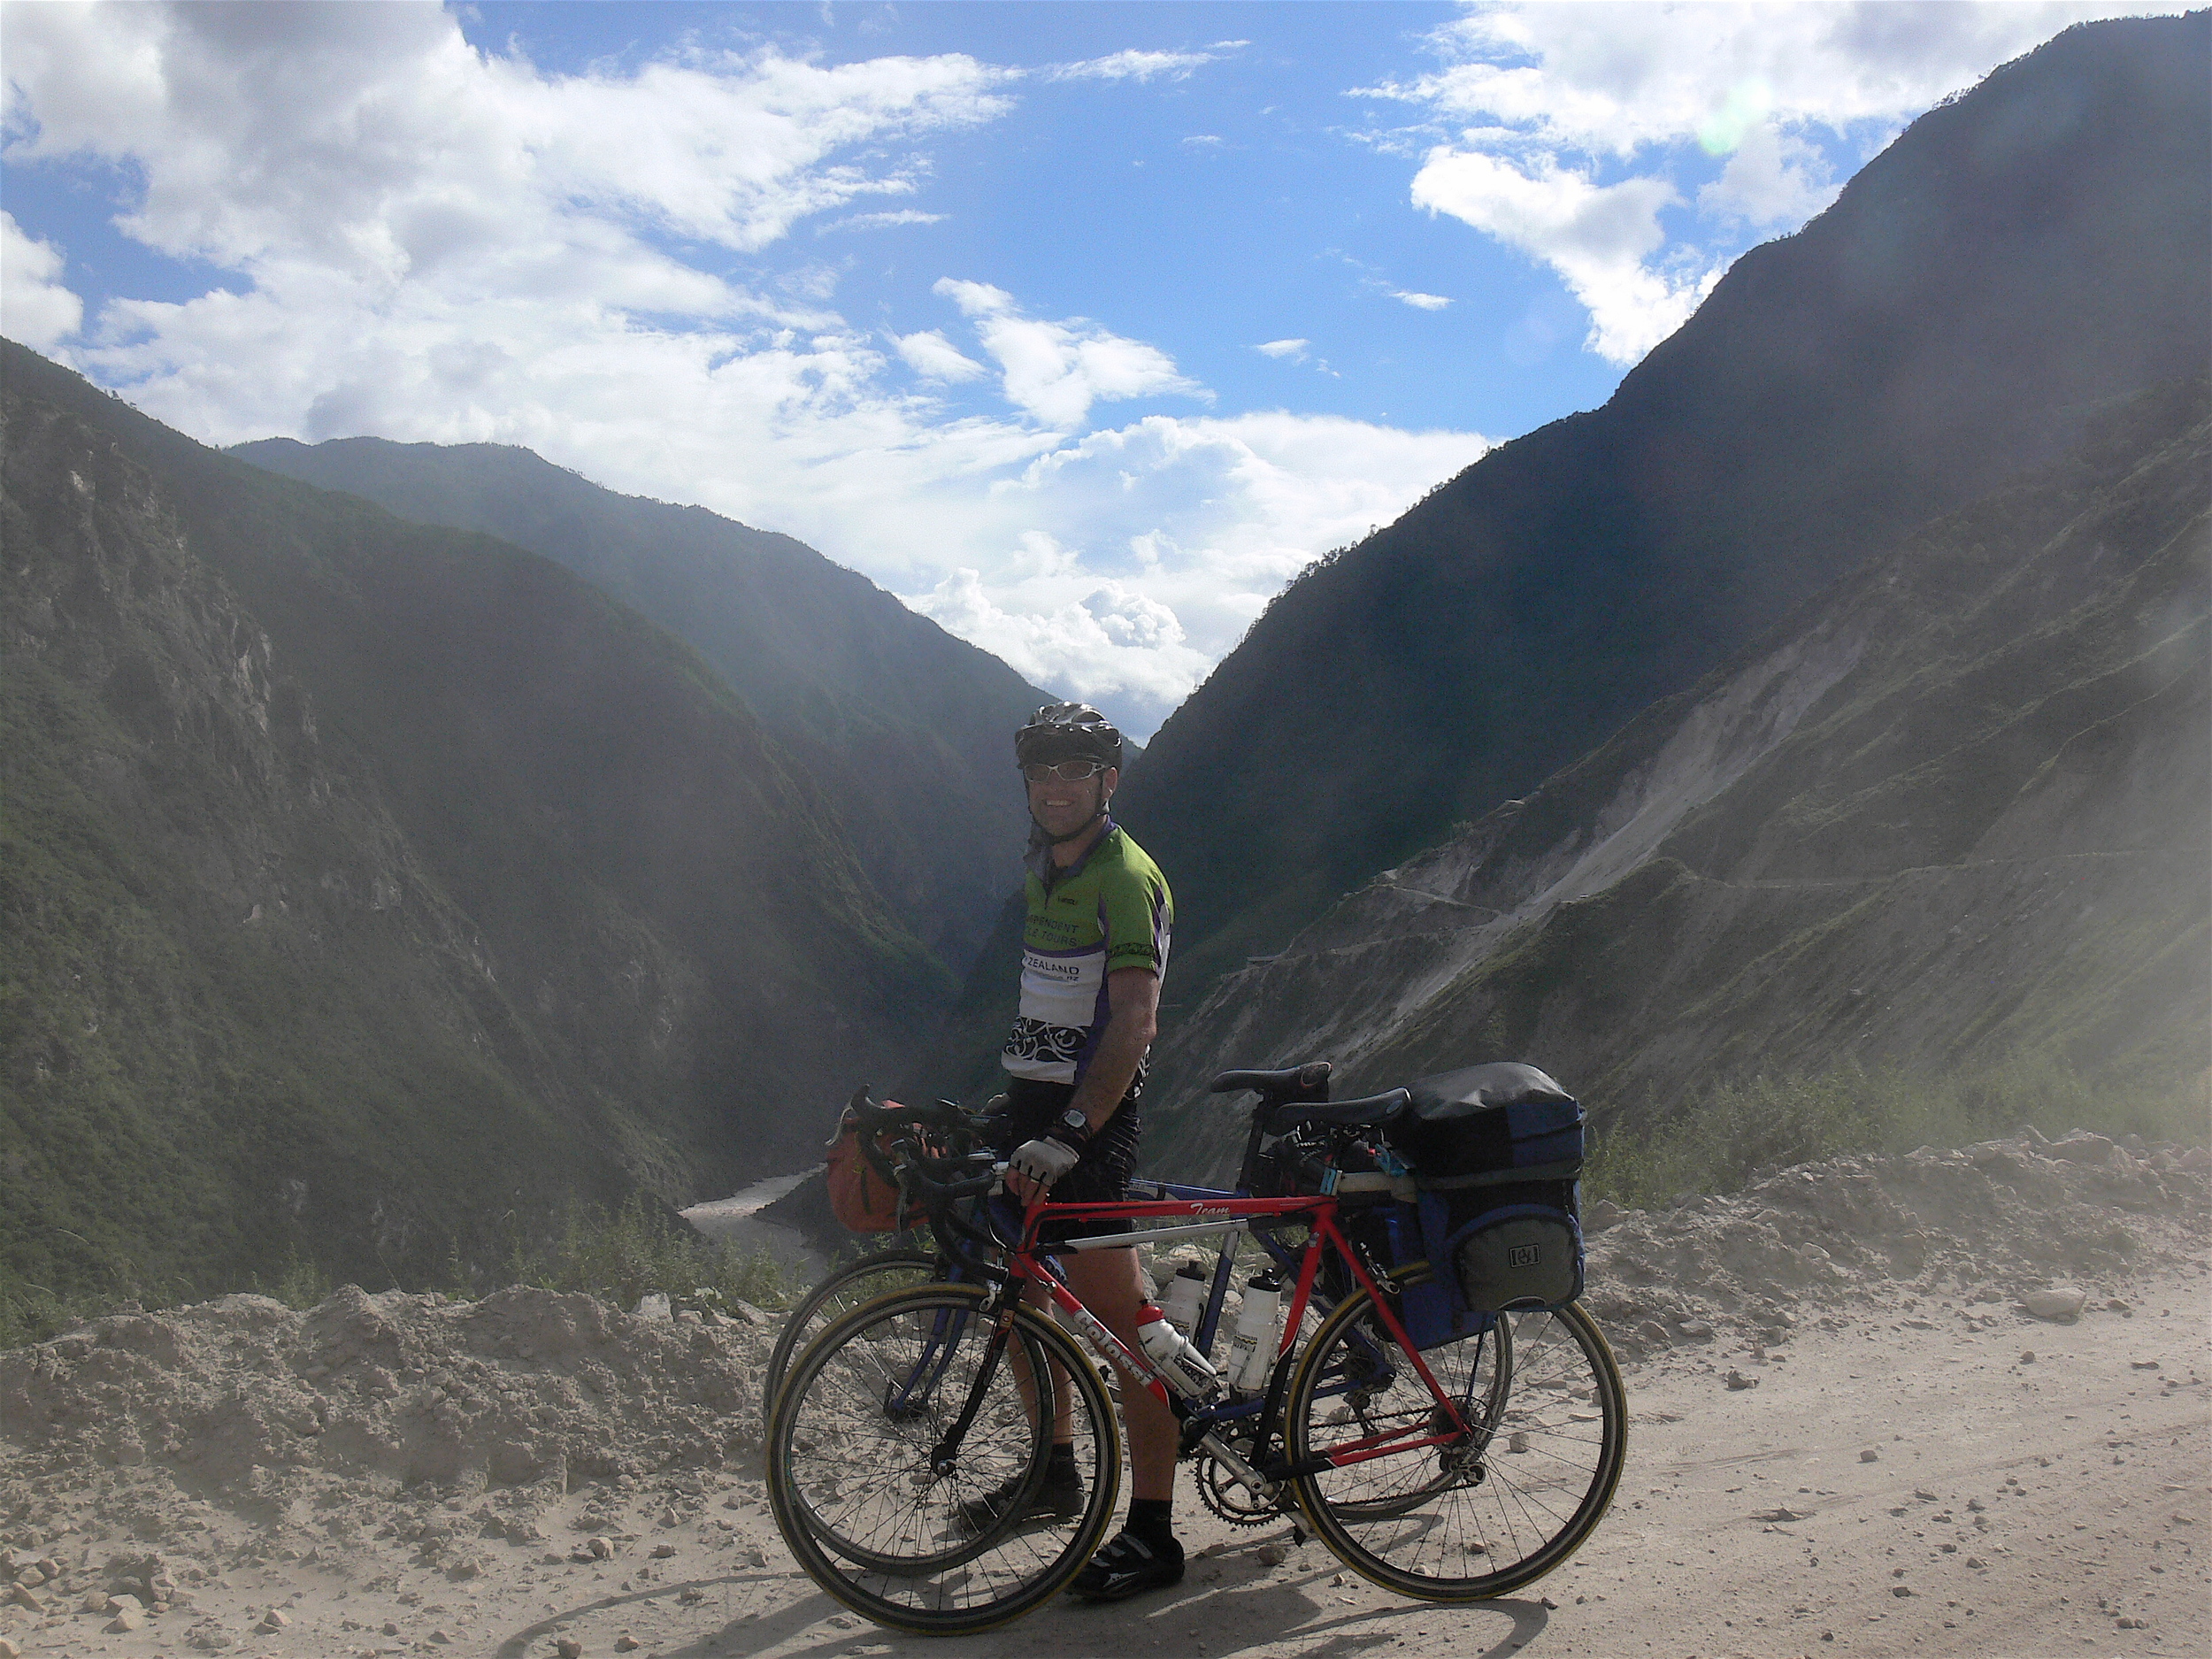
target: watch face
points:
(1075, 1119)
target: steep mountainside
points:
(364, 886)
(903, 727)
(1952, 816)
(2017, 257)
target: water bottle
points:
(1185, 1298)
(1185, 1368)
(1252, 1350)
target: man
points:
(1094, 948)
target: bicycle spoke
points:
(1485, 1511)
(857, 1490)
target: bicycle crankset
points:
(1230, 1499)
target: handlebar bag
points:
(860, 1198)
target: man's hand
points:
(1039, 1162)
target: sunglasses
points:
(1065, 771)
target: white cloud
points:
(1295, 350)
(375, 141)
(1568, 126)
(1056, 370)
(881, 221)
(430, 243)
(1420, 302)
(1596, 237)
(1146, 550)
(37, 307)
(1772, 178)
(1134, 65)
(933, 357)
(1611, 78)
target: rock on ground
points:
(396, 1474)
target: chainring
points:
(1227, 1497)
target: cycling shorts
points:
(1100, 1176)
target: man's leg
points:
(1145, 1556)
(1112, 1286)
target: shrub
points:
(1717, 1143)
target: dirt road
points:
(1902, 1466)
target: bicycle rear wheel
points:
(845, 1289)
(1485, 1514)
(874, 1510)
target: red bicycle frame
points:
(1196, 1216)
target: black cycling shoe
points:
(1128, 1566)
(1059, 1499)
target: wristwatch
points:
(1073, 1123)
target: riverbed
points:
(737, 1218)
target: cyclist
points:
(1094, 947)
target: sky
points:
(1082, 327)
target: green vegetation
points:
(361, 881)
(619, 1254)
(1720, 1141)
(902, 727)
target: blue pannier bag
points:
(1496, 1154)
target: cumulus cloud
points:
(375, 142)
(1295, 350)
(1568, 130)
(1203, 520)
(1056, 370)
(429, 242)
(933, 357)
(37, 307)
(1419, 302)
(1596, 237)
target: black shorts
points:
(1100, 1176)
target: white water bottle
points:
(1185, 1298)
(1252, 1350)
(1185, 1368)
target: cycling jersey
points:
(1111, 909)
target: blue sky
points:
(1082, 327)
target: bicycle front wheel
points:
(1487, 1511)
(895, 1522)
(845, 1289)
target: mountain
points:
(1953, 817)
(906, 729)
(2014, 259)
(367, 888)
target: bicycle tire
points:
(850, 1543)
(851, 1512)
(843, 1290)
(1548, 1438)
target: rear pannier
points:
(1496, 1153)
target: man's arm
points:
(1132, 1013)
(1133, 1018)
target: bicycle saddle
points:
(1309, 1082)
(1344, 1114)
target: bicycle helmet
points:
(1068, 731)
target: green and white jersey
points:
(1109, 909)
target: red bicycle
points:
(1447, 1453)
